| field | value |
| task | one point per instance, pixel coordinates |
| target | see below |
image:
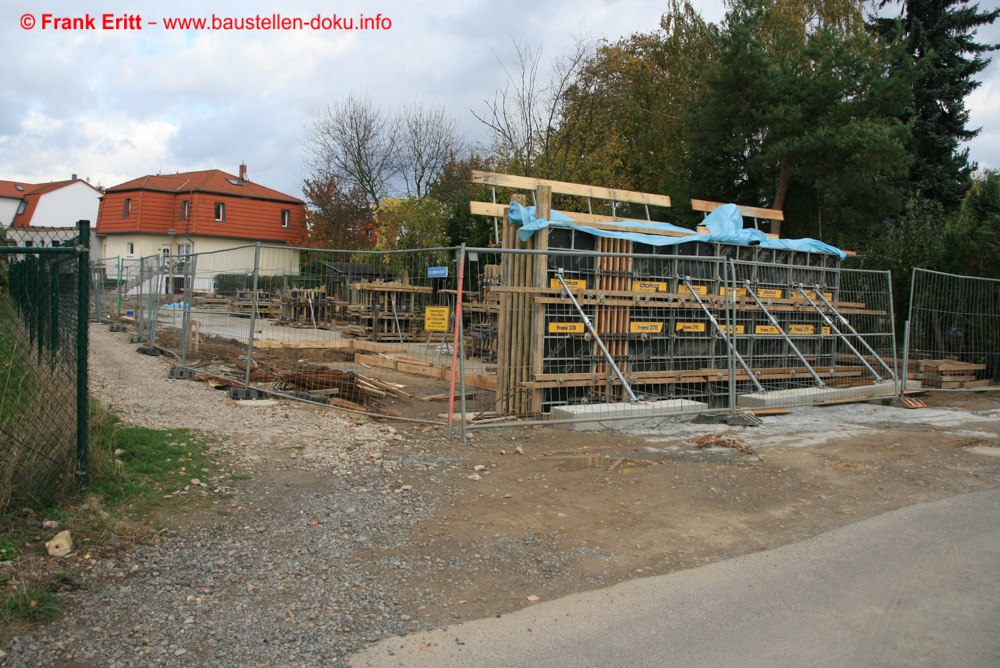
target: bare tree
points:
(358, 143)
(428, 139)
(523, 116)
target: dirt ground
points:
(583, 510)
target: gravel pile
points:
(285, 573)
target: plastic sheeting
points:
(725, 225)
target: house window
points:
(28, 243)
(220, 211)
(185, 209)
(183, 250)
(131, 248)
(21, 207)
(166, 253)
(127, 209)
(286, 218)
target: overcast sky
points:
(115, 105)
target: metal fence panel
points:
(953, 332)
(370, 332)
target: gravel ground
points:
(280, 573)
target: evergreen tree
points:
(939, 37)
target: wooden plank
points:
(375, 360)
(701, 229)
(564, 188)
(598, 222)
(752, 211)
(419, 369)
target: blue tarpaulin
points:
(725, 225)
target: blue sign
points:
(437, 272)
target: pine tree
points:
(938, 36)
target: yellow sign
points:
(645, 327)
(812, 295)
(436, 318)
(800, 330)
(571, 283)
(691, 327)
(826, 331)
(698, 290)
(739, 292)
(770, 293)
(566, 328)
(740, 329)
(649, 286)
(766, 329)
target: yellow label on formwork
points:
(691, 327)
(698, 290)
(812, 295)
(770, 293)
(436, 318)
(739, 292)
(649, 286)
(826, 331)
(645, 327)
(740, 329)
(766, 329)
(802, 330)
(571, 283)
(566, 328)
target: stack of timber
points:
(388, 311)
(948, 374)
(345, 389)
(245, 301)
(307, 308)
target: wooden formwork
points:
(546, 356)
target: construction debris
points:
(712, 440)
(947, 374)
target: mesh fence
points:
(583, 331)
(954, 332)
(43, 348)
(366, 332)
(582, 336)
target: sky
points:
(112, 104)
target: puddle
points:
(622, 465)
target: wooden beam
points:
(563, 188)
(704, 230)
(752, 211)
(595, 221)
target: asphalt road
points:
(918, 586)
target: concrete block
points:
(589, 417)
(816, 395)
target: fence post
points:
(82, 351)
(253, 311)
(189, 274)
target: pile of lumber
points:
(344, 388)
(947, 374)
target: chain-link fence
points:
(43, 371)
(953, 333)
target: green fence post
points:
(82, 351)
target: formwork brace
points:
(853, 331)
(837, 331)
(593, 332)
(715, 323)
(788, 340)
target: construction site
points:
(574, 318)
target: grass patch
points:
(28, 603)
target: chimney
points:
(72, 177)
(243, 172)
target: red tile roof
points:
(31, 194)
(211, 180)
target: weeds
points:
(28, 603)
